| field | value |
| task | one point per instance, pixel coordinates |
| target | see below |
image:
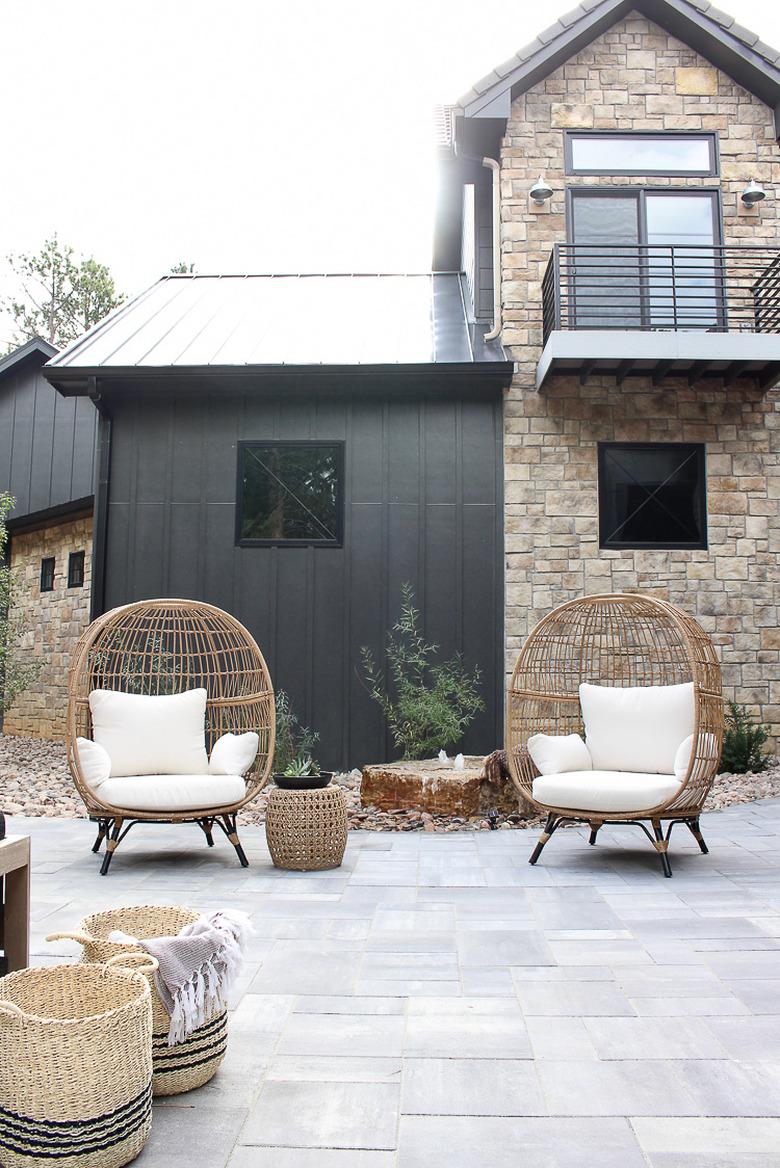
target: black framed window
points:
(678, 155)
(652, 495)
(76, 570)
(47, 574)
(290, 493)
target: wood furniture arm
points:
(15, 906)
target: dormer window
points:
(675, 155)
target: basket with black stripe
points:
(76, 1064)
(188, 1064)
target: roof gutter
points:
(495, 167)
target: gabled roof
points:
(28, 349)
(712, 33)
(253, 323)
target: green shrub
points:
(294, 750)
(427, 705)
(742, 743)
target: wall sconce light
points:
(541, 191)
(753, 193)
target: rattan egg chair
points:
(162, 647)
(615, 640)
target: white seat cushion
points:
(172, 792)
(601, 790)
(151, 735)
(636, 728)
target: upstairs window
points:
(290, 493)
(47, 574)
(652, 495)
(682, 155)
(76, 570)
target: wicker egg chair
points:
(615, 640)
(164, 647)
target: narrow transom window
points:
(47, 574)
(652, 495)
(76, 570)
(685, 155)
(290, 493)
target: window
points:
(47, 574)
(652, 495)
(669, 154)
(290, 493)
(76, 570)
(645, 258)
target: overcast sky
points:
(285, 136)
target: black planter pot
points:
(303, 782)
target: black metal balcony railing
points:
(662, 287)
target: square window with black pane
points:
(76, 570)
(47, 574)
(652, 495)
(290, 493)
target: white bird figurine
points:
(443, 756)
(460, 762)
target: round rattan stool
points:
(188, 1064)
(306, 830)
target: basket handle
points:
(81, 938)
(143, 962)
(10, 1009)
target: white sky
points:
(283, 136)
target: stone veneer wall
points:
(637, 77)
(53, 622)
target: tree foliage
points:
(742, 743)
(182, 268)
(16, 669)
(60, 295)
(427, 704)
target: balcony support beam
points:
(624, 370)
(734, 371)
(661, 370)
(697, 371)
(586, 370)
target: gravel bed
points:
(34, 780)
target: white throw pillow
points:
(147, 735)
(555, 754)
(233, 754)
(94, 761)
(683, 756)
(636, 728)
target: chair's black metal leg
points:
(207, 825)
(693, 824)
(662, 846)
(111, 846)
(595, 825)
(229, 828)
(549, 828)
(103, 826)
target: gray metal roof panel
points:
(255, 321)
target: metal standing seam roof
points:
(186, 321)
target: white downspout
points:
(491, 164)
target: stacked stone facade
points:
(52, 623)
(637, 77)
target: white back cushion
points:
(555, 754)
(233, 754)
(636, 728)
(146, 735)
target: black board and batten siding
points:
(47, 442)
(423, 503)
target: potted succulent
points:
(302, 774)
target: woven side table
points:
(306, 830)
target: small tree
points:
(182, 268)
(294, 743)
(61, 296)
(427, 705)
(742, 743)
(16, 671)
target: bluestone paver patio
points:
(438, 1003)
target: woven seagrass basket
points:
(306, 831)
(188, 1064)
(76, 1064)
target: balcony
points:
(662, 311)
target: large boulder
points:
(436, 787)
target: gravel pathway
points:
(34, 780)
